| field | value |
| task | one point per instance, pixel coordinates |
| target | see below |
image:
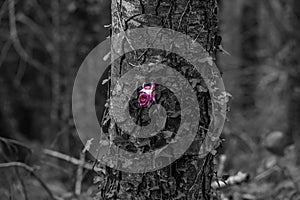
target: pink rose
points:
(144, 99)
(147, 95)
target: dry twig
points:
(2, 9)
(24, 190)
(71, 160)
(4, 51)
(31, 171)
(16, 41)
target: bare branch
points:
(14, 142)
(71, 160)
(21, 180)
(79, 174)
(16, 164)
(4, 51)
(57, 155)
(183, 14)
(31, 171)
(2, 9)
(16, 41)
(37, 30)
(277, 21)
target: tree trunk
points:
(190, 176)
(249, 46)
(292, 62)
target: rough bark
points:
(190, 176)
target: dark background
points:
(42, 44)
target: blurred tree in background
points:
(43, 42)
(260, 138)
(249, 33)
(42, 45)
